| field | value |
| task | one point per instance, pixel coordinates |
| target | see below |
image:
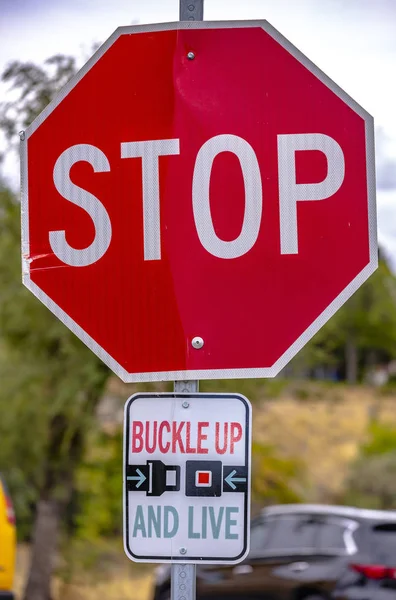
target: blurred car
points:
(306, 552)
(7, 543)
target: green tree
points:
(362, 332)
(372, 480)
(33, 87)
(99, 487)
(51, 383)
(276, 479)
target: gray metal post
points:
(183, 576)
(191, 10)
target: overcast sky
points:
(353, 41)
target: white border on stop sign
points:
(319, 321)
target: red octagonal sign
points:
(198, 201)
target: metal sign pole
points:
(183, 576)
(191, 10)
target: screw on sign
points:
(206, 215)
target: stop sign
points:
(198, 201)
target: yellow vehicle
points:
(7, 543)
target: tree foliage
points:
(99, 487)
(32, 87)
(51, 382)
(361, 334)
(372, 480)
(49, 379)
(276, 479)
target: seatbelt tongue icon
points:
(154, 478)
(158, 478)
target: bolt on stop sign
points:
(198, 201)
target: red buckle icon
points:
(203, 478)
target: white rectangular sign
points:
(187, 477)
